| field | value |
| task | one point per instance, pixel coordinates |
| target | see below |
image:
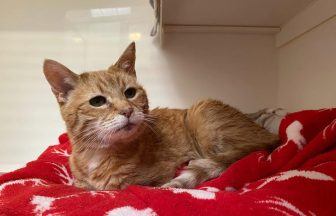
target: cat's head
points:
(100, 108)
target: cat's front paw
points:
(81, 184)
(173, 184)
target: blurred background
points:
(250, 54)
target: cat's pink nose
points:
(126, 112)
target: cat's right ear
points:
(126, 61)
(61, 79)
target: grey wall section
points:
(307, 70)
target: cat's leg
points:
(197, 171)
(222, 135)
(201, 170)
(82, 184)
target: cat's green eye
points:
(130, 92)
(97, 101)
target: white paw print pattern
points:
(23, 182)
(293, 133)
(42, 204)
(208, 194)
(282, 206)
(284, 176)
(311, 175)
(330, 127)
(130, 211)
(63, 173)
(61, 152)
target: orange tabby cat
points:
(117, 141)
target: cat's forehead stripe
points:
(106, 82)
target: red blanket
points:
(298, 178)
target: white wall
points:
(239, 69)
(306, 59)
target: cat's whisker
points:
(82, 133)
(92, 140)
(88, 129)
(87, 135)
(149, 116)
(151, 128)
(87, 139)
(150, 121)
(108, 124)
(107, 132)
(96, 132)
(97, 135)
(92, 137)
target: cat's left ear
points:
(126, 61)
(61, 79)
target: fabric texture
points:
(298, 178)
(269, 119)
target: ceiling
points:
(231, 12)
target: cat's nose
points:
(126, 112)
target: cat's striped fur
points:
(122, 142)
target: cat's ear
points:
(126, 61)
(61, 79)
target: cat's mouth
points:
(124, 132)
(127, 127)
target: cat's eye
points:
(130, 92)
(97, 101)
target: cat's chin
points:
(122, 136)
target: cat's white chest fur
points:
(94, 162)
